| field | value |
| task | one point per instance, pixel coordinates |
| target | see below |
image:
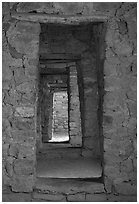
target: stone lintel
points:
(66, 20)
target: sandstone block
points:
(26, 87)
(8, 61)
(24, 167)
(121, 198)
(22, 183)
(5, 178)
(25, 112)
(23, 124)
(96, 198)
(79, 197)
(122, 27)
(9, 166)
(6, 85)
(72, 187)
(28, 27)
(13, 97)
(26, 151)
(111, 171)
(126, 188)
(127, 166)
(109, 69)
(13, 150)
(49, 197)
(105, 6)
(28, 98)
(69, 8)
(5, 148)
(16, 197)
(108, 184)
(7, 111)
(25, 44)
(21, 136)
(123, 48)
(19, 75)
(42, 7)
(6, 72)
(132, 105)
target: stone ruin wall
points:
(20, 64)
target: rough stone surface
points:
(79, 197)
(49, 197)
(96, 198)
(114, 94)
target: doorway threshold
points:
(69, 168)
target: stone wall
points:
(118, 130)
(20, 54)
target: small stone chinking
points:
(20, 62)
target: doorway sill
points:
(83, 168)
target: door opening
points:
(60, 131)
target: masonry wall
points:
(118, 127)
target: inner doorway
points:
(60, 132)
(54, 107)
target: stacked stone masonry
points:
(20, 69)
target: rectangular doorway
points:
(54, 108)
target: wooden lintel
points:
(55, 19)
(59, 57)
(53, 71)
(58, 85)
